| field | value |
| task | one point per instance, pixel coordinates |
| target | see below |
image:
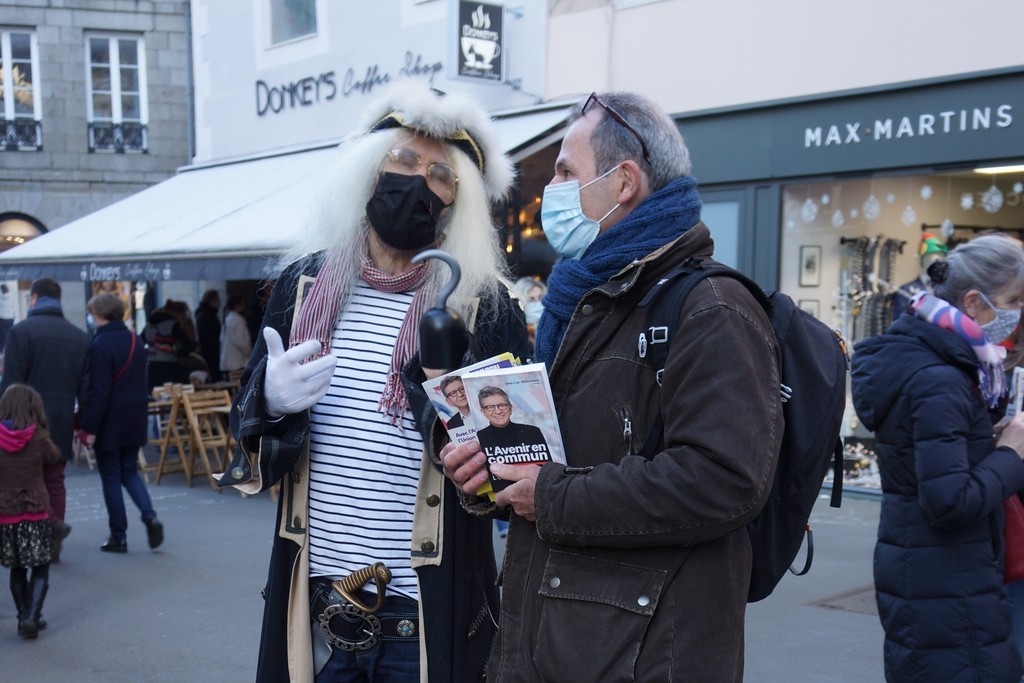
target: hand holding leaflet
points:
(291, 386)
(519, 492)
(466, 466)
(519, 428)
(448, 396)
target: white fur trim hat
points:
(455, 119)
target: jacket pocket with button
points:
(594, 616)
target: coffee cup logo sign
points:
(480, 41)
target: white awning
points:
(524, 132)
(226, 221)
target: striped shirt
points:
(363, 470)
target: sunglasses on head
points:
(619, 119)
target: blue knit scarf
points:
(659, 219)
(46, 304)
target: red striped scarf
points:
(321, 306)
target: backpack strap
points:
(837, 495)
(664, 301)
(837, 475)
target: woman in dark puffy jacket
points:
(926, 388)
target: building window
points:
(18, 228)
(291, 19)
(21, 128)
(116, 81)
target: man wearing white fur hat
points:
(340, 420)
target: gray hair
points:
(989, 263)
(523, 286)
(448, 381)
(613, 143)
(487, 392)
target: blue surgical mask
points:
(568, 230)
(533, 311)
(1003, 325)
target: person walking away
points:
(115, 420)
(654, 548)
(208, 332)
(347, 434)
(925, 388)
(51, 355)
(26, 535)
(237, 345)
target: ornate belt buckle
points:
(371, 628)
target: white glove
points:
(291, 386)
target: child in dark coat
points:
(26, 536)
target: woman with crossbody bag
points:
(115, 419)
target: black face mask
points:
(403, 211)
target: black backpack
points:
(814, 367)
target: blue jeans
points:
(391, 660)
(121, 468)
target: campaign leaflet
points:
(514, 416)
(449, 398)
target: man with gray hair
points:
(653, 548)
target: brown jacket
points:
(21, 475)
(637, 570)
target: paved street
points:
(187, 612)
(190, 611)
(823, 627)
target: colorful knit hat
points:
(932, 244)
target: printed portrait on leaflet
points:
(455, 396)
(506, 441)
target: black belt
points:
(352, 629)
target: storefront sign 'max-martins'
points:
(949, 122)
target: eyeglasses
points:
(441, 179)
(461, 391)
(495, 407)
(619, 119)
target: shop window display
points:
(850, 248)
(870, 232)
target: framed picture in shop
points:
(812, 306)
(810, 266)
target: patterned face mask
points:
(1003, 325)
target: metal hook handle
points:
(453, 281)
(348, 586)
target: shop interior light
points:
(990, 170)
